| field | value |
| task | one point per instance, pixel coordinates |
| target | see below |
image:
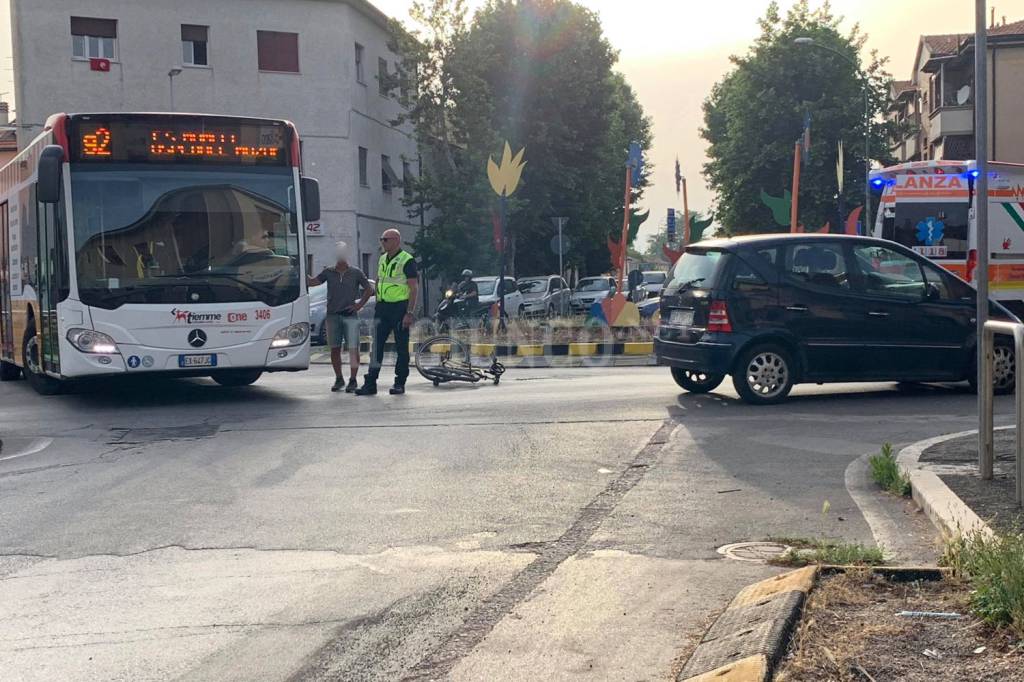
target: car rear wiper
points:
(686, 285)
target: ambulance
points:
(929, 206)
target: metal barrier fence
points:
(986, 454)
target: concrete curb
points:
(587, 349)
(947, 512)
(752, 635)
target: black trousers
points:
(387, 322)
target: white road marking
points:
(37, 445)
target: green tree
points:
(537, 73)
(753, 117)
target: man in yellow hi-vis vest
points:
(397, 291)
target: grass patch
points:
(805, 551)
(886, 472)
(994, 566)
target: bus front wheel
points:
(34, 374)
(237, 377)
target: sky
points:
(673, 51)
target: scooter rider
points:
(467, 290)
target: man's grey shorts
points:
(342, 331)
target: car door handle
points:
(877, 313)
(797, 308)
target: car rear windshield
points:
(696, 270)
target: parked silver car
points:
(548, 295)
(317, 314)
(654, 282)
(589, 291)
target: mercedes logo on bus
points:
(197, 338)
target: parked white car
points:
(589, 291)
(544, 296)
(487, 287)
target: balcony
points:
(951, 120)
(907, 150)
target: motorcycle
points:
(456, 313)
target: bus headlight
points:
(294, 335)
(89, 341)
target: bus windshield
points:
(937, 230)
(180, 233)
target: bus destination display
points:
(190, 141)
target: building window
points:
(382, 76)
(93, 38)
(360, 76)
(388, 178)
(364, 177)
(407, 180)
(193, 45)
(278, 51)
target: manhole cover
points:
(754, 552)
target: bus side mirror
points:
(51, 162)
(310, 200)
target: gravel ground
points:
(850, 632)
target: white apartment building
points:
(314, 62)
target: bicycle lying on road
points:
(441, 359)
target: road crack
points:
(550, 556)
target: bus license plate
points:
(197, 361)
(681, 318)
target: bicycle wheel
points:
(442, 356)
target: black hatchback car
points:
(776, 310)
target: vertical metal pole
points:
(171, 79)
(794, 208)
(868, 227)
(687, 236)
(981, 221)
(501, 263)
(1018, 350)
(985, 398)
(561, 250)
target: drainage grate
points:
(753, 552)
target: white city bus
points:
(133, 243)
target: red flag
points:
(99, 64)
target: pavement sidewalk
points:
(955, 462)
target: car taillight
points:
(972, 263)
(718, 317)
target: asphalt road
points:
(562, 525)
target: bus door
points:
(52, 271)
(6, 321)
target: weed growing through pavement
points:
(994, 566)
(806, 551)
(886, 472)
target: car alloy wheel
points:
(767, 374)
(1003, 369)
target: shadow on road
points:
(865, 398)
(154, 391)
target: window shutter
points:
(99, 28)
(196, 34)
(278, 51)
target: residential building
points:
(307, 61)
(8, 138)
(936, 105)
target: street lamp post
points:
(170, 77)
(810, 42)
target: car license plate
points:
(197, 361)
(681, 318)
